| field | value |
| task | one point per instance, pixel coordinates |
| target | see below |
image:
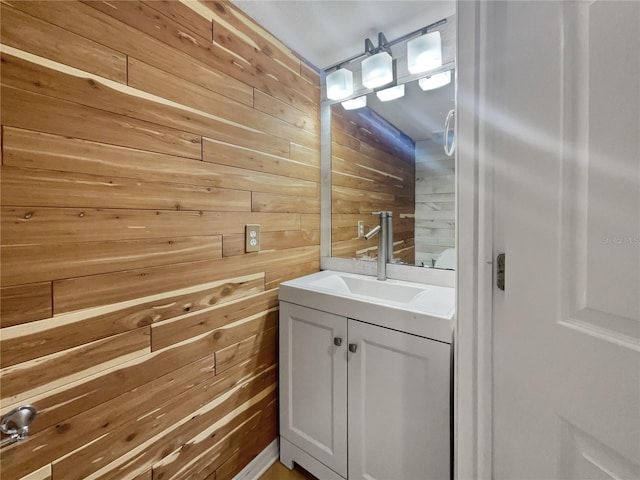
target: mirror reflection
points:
(389, 156)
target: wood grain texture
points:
(175, 330)
(37, 225)
(23, 343)
(25, 303)
(31, 378)
(137, 140)
(49, 188)
(70, 294)
(28, 263)
(41, 38)
(373, 169)
(75, 120)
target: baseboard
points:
(256, 467)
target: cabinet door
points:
(399, 405)
(313, 383)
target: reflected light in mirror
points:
(355, 103)
(392, 93)
(435, 81)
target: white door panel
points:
(313, 387)
(567, 158)
(399, 397)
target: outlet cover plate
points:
(252, 238)
(360, 228)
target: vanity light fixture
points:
(355, 103)
(378, 66)
(435, 81)
(424, 53)
(377, 70)
(392, 93)
(339, 84)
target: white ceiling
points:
(325, 32)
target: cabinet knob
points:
(353, 347)
(337, 341)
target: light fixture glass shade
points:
(392, 93)
(424, 53)
(355, 103)
(435, 81)
(339, 84)
(377, 70)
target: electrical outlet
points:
(252, 238)
(360, 229)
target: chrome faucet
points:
(385, 241)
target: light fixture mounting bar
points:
(383, 44)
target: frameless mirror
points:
(389, 155)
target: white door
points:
(313, 386)
(398, 405)
(565, 114)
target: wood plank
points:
(241, 178)
(74, 120)
(364, 164)
(43, 473)
(36, 263)
(250, 51)
(24, 303)
(254, 345)
(158, 447)
(233, 245)
(165, 85)
(210, 448)
(250, 33)
(67, 84)
(25, 380)
(275, 277)
(310, 74)
(279, 109)
(269, 202)
(76, 430)
(180, 13)
(28, 342)
(92, 24)
(351, 200)
(41, 38)
(29, 149)
(39, 225)
(168, 418)
(69, 295)
(47, 188)
(197, 92)
(236, 156)
(166, 333)
(168, 32)
(59, 403)
(310, 221)
(305, 155)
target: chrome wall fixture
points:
(379, 70)
(16, 424)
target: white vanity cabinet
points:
(379, 394)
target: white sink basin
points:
(425, 310)
(369, 287)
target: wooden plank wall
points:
(372, 169)
(138, 139)
(435, 201)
